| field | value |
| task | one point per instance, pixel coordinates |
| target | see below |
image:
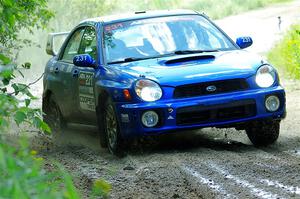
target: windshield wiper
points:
(132, 59)
(183, 52)
(129, 59)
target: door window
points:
(72, 47)
(89, 43)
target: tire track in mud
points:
(290, 189)
(234, 187)
(208, 187)
(250, 175)
(233, 175)
(222, 184)
(243, 183)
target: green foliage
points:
(286, 54)
(12, 107)
(22, 173)
(22, 176)
(5, 60)
(17, 16)
(101, 188)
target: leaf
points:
(16, 88)
(37, 122)
(27, 102)
(3, 122)
(4, 90)
(5, 82)
(7, 3)
(26, 65)
(45, 128)
(11, 19)
(22, 88)
(40, 124)
(70, 191)
(101, 188)
(20, 117)
(7, 73)
(5, 60)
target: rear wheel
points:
(53, 116)
(114, 140)
(263, 133)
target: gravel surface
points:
(208, 163)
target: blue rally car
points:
(157, 72)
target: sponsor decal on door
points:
(86, 91)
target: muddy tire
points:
(263, 133)
(53, 117)
(102, 134)
(115, 142)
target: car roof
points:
(138, 15)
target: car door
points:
(68, 89)
(86, 95)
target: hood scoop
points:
(201, 58)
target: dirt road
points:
(209, 163)
(262, 25)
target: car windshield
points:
(162, 36)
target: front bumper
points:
(229, 109)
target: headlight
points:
(265, 76)
(148, 90)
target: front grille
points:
(219, 113)
(200, 89)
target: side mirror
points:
(244, 42)
(50, 47)
(84, 60)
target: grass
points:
(286, 53)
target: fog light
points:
(150, 119)
(272, 103)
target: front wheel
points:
(115, 142)
(263, 133)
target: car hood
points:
(189, 69)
